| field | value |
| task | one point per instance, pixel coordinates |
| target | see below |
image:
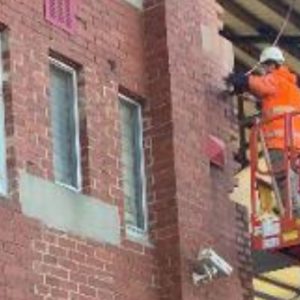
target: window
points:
(133, 165)
(65, 127)
(3, 166)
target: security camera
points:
(210, 266)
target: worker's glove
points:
(238, 82)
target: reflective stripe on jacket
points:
(280, 94)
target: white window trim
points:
(136, 3)
(1, 68)
(2, 119)
(73, 72)
(133, 230)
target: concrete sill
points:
(138, 236)
(64, 209)
(69, 187)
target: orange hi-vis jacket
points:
(280, 94)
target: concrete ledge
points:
(217, 47)
(136, 3)
(63, 209)
(265, 261)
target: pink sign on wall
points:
(61, 13)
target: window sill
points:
(69, 187)
(61, 208)
(136, 3)
(4, 196)
(137, 235)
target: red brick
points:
(81, 297)
(50, 238)
(14, 272)
(95, 262)
(52, 281)
(78, 277)
(103, 254)
(69, 286)
(42, 289)
(87, 290)
(59, 294)
(77, 256)
(15, 293)
(57, 251)
(49, 259)
(106, 295)
(56, 271)
(88, 250)
(68, 264)
(102, 282)
(39, 246)
(66, 243)
(87, 269)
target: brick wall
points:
(155, 57)
(163, 204)
(206, 216)
(245, 260)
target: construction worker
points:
(278, 91)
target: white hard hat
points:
(272, 53)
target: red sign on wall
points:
(216, 151)
(61, 13)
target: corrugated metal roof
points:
(262, 18)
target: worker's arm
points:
(262, 86)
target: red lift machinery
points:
(273, 223)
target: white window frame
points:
(131, 230)
(4, 178)
(73, 72)
(136, 3)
